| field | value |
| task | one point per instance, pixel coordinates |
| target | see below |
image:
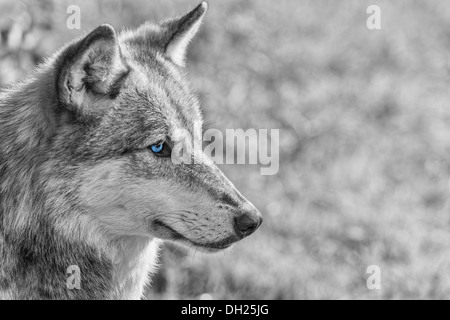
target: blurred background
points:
(364, 138)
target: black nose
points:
(246, 224)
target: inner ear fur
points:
(92, 70)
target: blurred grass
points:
(364, 115)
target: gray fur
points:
(77, 181)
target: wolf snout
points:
(247, 223)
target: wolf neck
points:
(41, 255)
(42, 233)
(133, 264)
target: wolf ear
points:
(180, 32)
(91, 70)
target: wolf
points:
(87, 179)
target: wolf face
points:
(119, 95)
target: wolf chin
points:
(86, 177)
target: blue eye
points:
(157, 148)
(161, 149)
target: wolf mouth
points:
(219, 245)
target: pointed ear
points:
(91, 71)
(181, 31)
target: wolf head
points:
(122, 97)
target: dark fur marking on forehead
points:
(176, 92)
(180, 113)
